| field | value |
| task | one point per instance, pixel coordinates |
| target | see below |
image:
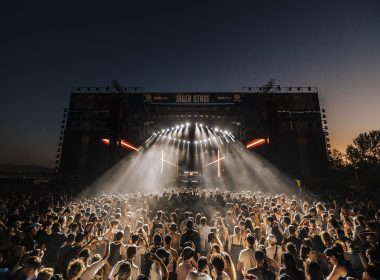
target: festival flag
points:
(298, 182)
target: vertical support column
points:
(162, 161)
(178, 165)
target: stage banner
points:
(192, 98)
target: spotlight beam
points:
(168, 162)
(165, 161)
(215, 161)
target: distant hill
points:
(25, 169)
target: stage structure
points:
(102, 125)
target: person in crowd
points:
(218, 268)
(291, 249)
(260, 271)
(290, 268)
(138, 239)
(185, 267)
(235, 244)
(172, 266)
(175, 235)
(313, 271)
(340, 269)
(204, 231)
(45, 274)
(229, 266)
(191, 235)
(124, 272)
(90, 270)
(135, 271)
(75, 270)
(29, 269)
(116, 250)
(158, 270)
(201, 273)
(274, 251)
(246, 258)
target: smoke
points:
(168, 153)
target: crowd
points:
(188, 234)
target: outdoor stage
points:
(195, 136)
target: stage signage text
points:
(195, 98)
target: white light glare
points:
(216, 129)
(187, 124)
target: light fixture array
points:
(219, 134)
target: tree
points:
(336, 160)
(364, 153)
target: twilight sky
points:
(47, 47)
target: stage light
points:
(106, 141)
(124, 144)
(183, 141)
(216, 129)
(255, 143)
(162, 131)
(127, 145)
(201, 125)
(167, 129)
(172, 128)
(226, 132)
(177, 126)
(195, 142)
(188, 142)
(164, 136)
(170, 138)
(196, 124)
(187, 124)
(182, 126)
